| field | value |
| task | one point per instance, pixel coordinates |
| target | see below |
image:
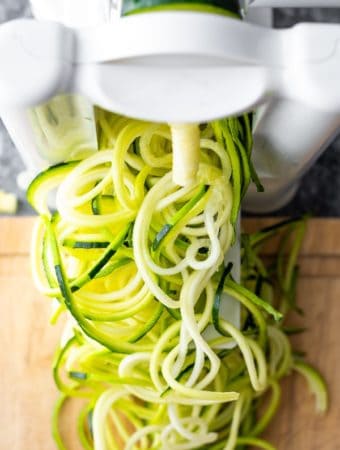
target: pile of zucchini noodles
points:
(136, 263)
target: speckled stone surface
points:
(320, 188)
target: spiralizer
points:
(175, 66)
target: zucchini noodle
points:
(136, 264)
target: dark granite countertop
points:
(320, 188)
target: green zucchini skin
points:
(46, 181)
(101, 263)
(177, 217)
(70, 243)
(228, 7)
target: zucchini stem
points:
(186, 153)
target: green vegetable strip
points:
(49, 276)
(99, 201)
(177, 217)
(58, 360)
(236, 170)
(246, 120)
(271, 409)
(293, 330)
(81, 428)
(290, 271)
(109, 268)
(246, 173)
(316, 383)
(218, 298)
(98, 266)
(255, 442)
(55, 422)
(254, 299)
(95, 206)
(254, 177)
(153, 320)
(256, 314)
(85, 245)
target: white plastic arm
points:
(18, 125)
(296, 126)
(289, 136)
(295, 3)
(36, 61)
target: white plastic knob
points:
(74, 13)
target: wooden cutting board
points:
(27, 344)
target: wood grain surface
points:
(27, 344)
